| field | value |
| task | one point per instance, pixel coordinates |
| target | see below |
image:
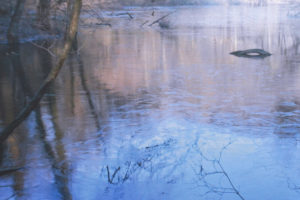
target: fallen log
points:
(251, 53)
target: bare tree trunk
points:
(68, 14)
(43, 13)
(13, 29)
(50, 78)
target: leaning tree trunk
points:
(4, 134)
(68, 14)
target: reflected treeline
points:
(54, 118)
(26, 20)
(14, 150)
(22, 90)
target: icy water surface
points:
(153, 113)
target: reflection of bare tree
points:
(51, 76)
(59, 171)
(85, 87)
(58, 165)
(287, 118)
(12, 35)
(121, 174)
(21, 82)
(150, 163)
(72, 86)
(219, 170)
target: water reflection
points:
(144, 113)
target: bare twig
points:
(144, 23)
(230, 182)
(94, 13)
(111, 179)
(126, 176)
(108, 174)
(126, 13)
(161, 18)
(219, 170)
(130, 15)
(115, 172)
(41, 47)
(223, 149)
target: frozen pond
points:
(161, 113)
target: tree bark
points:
(13, 29)
(4, 134)
(43, 14)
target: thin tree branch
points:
(144, 23)
(230, 182)
(41, 47)
(161, 18)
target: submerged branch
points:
(230, 181)
(111, 179)
(4, 134)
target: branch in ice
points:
(218, 170)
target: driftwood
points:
(251, 53)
